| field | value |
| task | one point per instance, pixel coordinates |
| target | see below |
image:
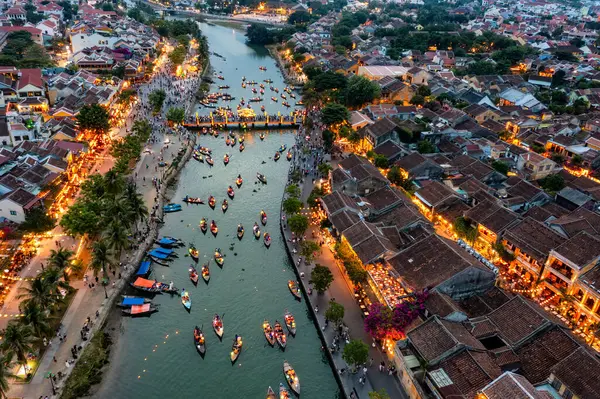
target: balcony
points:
(562, 271)
(557, 282)
(533, 267)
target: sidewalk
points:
(341, 290)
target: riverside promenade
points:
(340, 290)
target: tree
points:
(116, 236)
(332, 81)
(395, 176)
(298, 224)
(293, 191)
(259, 34)
(328, 138)
(176, 115)
(36, 318)
(177, 56)
(308, 250)
(292, 205)
(37, 221)
(100, 258)
(299, 17)
(381, 394)
(501, 167)
(335, 312)
(576, 160)
(334, 114)
(552, 183)
(138, 210)
(156, 99)
(60, 258)
(417, 100)
(356, 353)
(425, 147)
(321, 278)
(361, 91)
(95, 118)
(464, 230)
(38, 292)
(17, 341)
(5, 374)
(380, 161)
(424, 91)
(324, 168)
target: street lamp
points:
(104, 284)
(50, 376)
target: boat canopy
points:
(143, 282)
(136, 309)
(132, 301)
(165, 251)
(166, 241)
(158, 255)
(144, 267)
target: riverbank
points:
(281, 64)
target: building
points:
(15, 204)
(378, 133)
(376, 72)
(36, 34)
(535, 166)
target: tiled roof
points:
(578, 372)
(434, 193)
(516, 320)
(411, 161)
(533, 238)
(383, 198)
(470, 371)
(580, 250)
(337, 201)
(511, 385)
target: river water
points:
(155, 357)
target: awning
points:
(132, 301)
(142, 282)
(165, 251)
(158, 255)
(144, 267)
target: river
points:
(155, 356)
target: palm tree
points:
(5, 374)
(113, 182)
(137, 205)
(116, 236)
(100, 257)
(53, 277)
(35, 317)
(17, 341)
(39, 292)
(60, 259)
(119, 210)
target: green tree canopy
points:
(553, 183)
(299, 17)
(177, 56)
(465, 230)
(381, 394)
(335, 312)
(321, 278)
(333, 114)
(176, 115)
(298, 224)
(425, 147)
(156, 98)
(308, 250)
(356, 353)
(94, 118)
(501, 167)
(292, 205)
(37, 221)
(361, 91)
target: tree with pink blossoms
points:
(383, 322)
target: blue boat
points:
(158, 255)
(144, 269)
(172, 208)
(165, 251)
(129, 301)
(169, 242)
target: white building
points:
(14, 205)
(79, 41)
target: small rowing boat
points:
(218, 325)
(241, 139)
(219, 257)
(290, 323)
(204, 151)
(283, 392)
(239, 181)
(242, 147)
(198, 157)
(199, 341)
(271, 394)
(291, 377)
(227, 142)
(276, 156)
(274, 99)
(267, 240)
(171, 208)
(185, 299)
(169, 242)
(263, 217)
(294, 289)
(282, 148)
(262, 68)
(192, 200)
(194, 253)
(236, 348)
(289, 155)
(240, 231)
(226, 159)
(130, 300)
(210, 161)
(280, 335)
(261, 136)
(213, 228)
(224, 206)
(212, 202)
(203, 225)
(256, 230)
(261, 178)
(140, 310)
(205, 273)
(230, 192)
(193, 274)
(268, 330)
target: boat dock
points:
(260, 125)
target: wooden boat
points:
(283, 96)
(290, 323)
(224, 206)
(130, 300)
(274, 99)
(199, 341)
(239, 181)
(204, 151)
(162, 262)
(291, 377)
(289, 156)
(268, 81)
(153, 286)
(213, 228)
(280, 335)
(219, 257)
(241, 139)
(223, 87)
(140, 310)
(256, 230)
(242, 147)
(240, 231)
(294, 289)
(217, 324)
(262, 109)
(227, 141)
(171, 208)
(192, 200)
(212, 202)
(230, 192)
(210, 161)
(283, 392)
(267, 240)
(169, 242)
(271, 394)
(262, 68)
(263, 217)
(205, 273)
(236, 348)
(261, 178)
(276, 156)
(226, 159)
(220, 77)
(203, 225)
(282, 148)
(193, 274)
(194, 253)
(186, 300)
(198, 157)
(261, 136)
(268, 331)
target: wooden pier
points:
(256, 125)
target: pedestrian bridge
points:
(255, 125)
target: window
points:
(13, 213)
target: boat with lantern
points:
(217, 324)
(212, 201)
(205, 272)
(240, 231)
(230, 192)
(263, 217)
(291, 377)
(194, 253)
(268, 331)
(239, 181)
(256, 230)
(186, 301)
(236, 348)
(267, 240)
(213, 228)
(295, 289)
(192, 200)
(199, 341)
(203, 225)
(290, 323)
(276, 156)
(219, 257)
(280, 335)
(226, 159)
(224, 206)
(193, 275)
